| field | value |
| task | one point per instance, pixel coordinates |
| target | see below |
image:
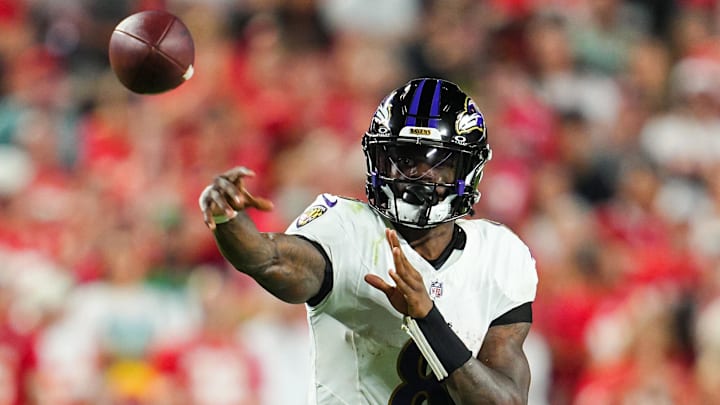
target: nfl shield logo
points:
(436, 289)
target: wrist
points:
(441, 347)
(425, 311)
(224, 217)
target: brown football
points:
(151, 52)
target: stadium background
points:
(603, 114)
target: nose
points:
(423, 170)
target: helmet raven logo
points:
(311, 214)
(470, 119)
(382, 116)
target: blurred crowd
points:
(604, 117)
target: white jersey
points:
(360, 354)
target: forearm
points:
(476, 383)
(501, 377)
(247, 249)
(500, 374)
(284, 265)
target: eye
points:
(405, 162)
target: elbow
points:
(283, 286)
(291, 295)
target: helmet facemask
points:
(422, 185)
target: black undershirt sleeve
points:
(327, 283)
(521, 313)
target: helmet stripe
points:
(415, 104)
(435, 107)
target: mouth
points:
(422, 194)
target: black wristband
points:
(445, 344)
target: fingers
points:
(260, 203)
(236, 174)
(212, 204)
(402, 265)
(401, 284)
(230, 184)
(227, 195)
(409, 295)
(392, 238)
(379, 283)
(405, 275)
(231, 194)
(205, 201)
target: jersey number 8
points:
(419, 385)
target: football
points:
(151, 52)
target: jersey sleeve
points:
(517, 281)
(322, 223)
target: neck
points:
(429, 243)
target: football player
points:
(409, 300)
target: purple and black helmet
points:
(425, 152)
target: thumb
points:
(263, 204)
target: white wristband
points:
(222, 218)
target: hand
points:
(227, 196)
(409, 295)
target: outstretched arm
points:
(289, 267)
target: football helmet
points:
(425, 151)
